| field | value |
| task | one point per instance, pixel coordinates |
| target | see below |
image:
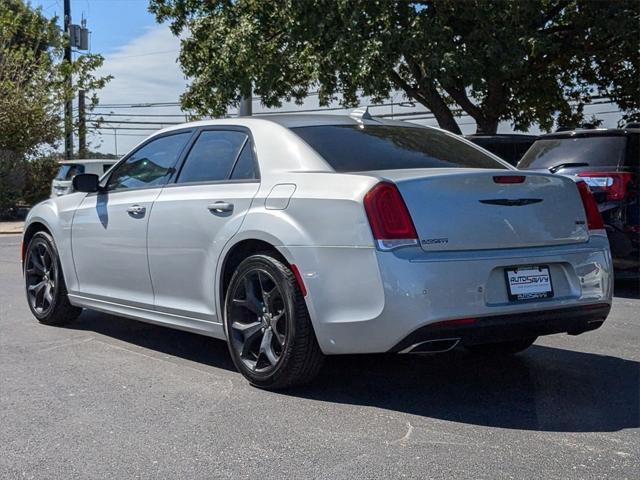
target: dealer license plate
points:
(529, 283)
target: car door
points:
(194, 217)
(109, 232)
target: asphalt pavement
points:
(113, 398)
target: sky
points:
(141, 55)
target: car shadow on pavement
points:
(542, 389)
(627, 289)
(189, 346)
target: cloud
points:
(145, 71)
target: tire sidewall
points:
(275, 269)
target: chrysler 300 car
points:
(295, 237)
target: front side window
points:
(357, 148)
(150, 166)
(213, 156)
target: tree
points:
(527, 62)
(32, 74)
(33, 89)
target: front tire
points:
(44, 283)
(269, 332)
(502, 348)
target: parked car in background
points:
(299, 236)
(607, 160)
(509, 147)
(61, 184)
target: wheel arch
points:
(235, 254)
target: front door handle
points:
(220, 207)
(136, 210)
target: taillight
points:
(389, 218)
(594, 219)
(615, 185)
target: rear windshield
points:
(67, 172)
(357, 148)
(593, 151)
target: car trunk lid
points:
(467, 209)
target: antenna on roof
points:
(361, 113)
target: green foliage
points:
(33, 90)
(32, 78)
(522, 61)
(12, 173)
(39, 173)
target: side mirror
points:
(86, 182)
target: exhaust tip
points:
(440, 345)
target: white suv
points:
(61, 184)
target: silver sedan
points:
(295, 237)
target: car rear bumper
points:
(365, 301)
(503, 328)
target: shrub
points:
(37, 183)
(12, 179)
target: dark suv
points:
(607, 160)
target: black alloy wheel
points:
(259, 329)
(270, 336)
(44, 283)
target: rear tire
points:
(269, 332)
(502, 348)
(44, 283)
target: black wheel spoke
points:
(36, 288)
(251, 300)
(266, 348)
(37, 264)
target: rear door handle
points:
(220, 207)
(136, 210)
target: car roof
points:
(84, 161)
(293, 121)
(595, 132)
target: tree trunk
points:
(487, 126)
(427, 94)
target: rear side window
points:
(150, 166)
(106, 167)
(213, 156)
(592, 151)
(67, 172)
(357, 148)
(245, 166)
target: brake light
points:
(389, 218)
(594, 219)
(615, 184)
(509, 179)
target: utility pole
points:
(246, 104)
(82, 126)
(68, 106)
(246, 107)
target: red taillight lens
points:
(614, 184)
(594, 219)
(388, 214)
(509, 179)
